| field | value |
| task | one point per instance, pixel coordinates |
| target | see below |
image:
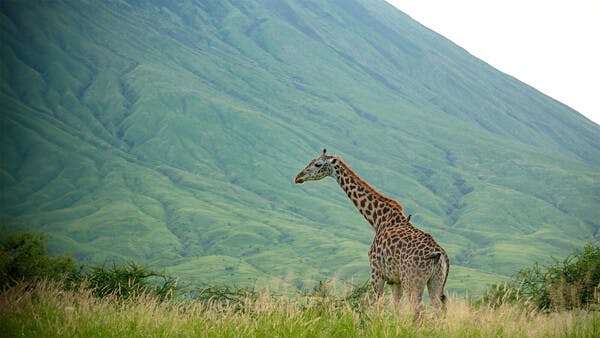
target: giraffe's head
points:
(317, 169)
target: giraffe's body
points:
(401, 255)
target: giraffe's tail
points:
(436, 258)
(447, 261)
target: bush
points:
(321, 298)
(129, 280)
(358, 295)
(23, 256)
(571, 283)
(238, 299)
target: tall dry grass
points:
(46, 310)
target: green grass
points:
(169, 133)
(43, 310)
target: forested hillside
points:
(169, 132)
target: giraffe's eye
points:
(318, 165)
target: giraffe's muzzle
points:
(298, 180)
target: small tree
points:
(23, 256)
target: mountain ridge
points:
(170, 133)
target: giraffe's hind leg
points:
(397, 295)
(415, 297)
(435, 287)
(416, 301)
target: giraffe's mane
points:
(367, 186)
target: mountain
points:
(169, 132)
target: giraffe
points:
(401, 255)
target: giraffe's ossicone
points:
(403, 256)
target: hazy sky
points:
(554, 46)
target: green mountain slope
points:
(169, 133)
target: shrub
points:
(573, 281)
(129, 280)
(358, 296)
(230, 297)
(500, 294)
(567, 284)
(23, 256)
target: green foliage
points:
(498, 294)
(129, 280)
(23, 256)
(358, 296)
(236, 298)
(321, 297)
(573, 282)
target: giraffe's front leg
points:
(377, 284)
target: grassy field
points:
(43, 310)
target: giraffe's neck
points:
(377, 209)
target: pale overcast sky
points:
(554, 46)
